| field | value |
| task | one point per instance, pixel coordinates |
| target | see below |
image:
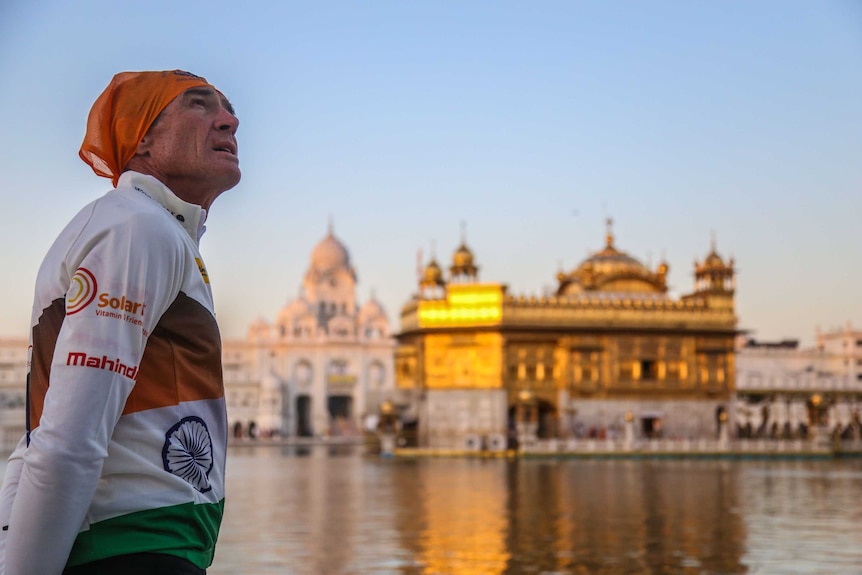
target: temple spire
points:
(609, 234)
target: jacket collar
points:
(190, 216)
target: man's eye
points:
(199, 102)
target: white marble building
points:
(13, 390)
(323, 365)
(784, 391)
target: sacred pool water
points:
(333, 510)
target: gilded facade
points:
(486, 368)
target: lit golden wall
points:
(477, 337)
(463, 361)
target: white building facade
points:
(13, 390)
(787, 392)
(323, 367)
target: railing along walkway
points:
(690, 447)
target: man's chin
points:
(230, 179)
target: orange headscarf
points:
(124, 112)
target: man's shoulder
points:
(128, 209)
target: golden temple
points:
(482, 367)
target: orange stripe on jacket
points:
(182, 360)
(185, 348)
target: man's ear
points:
(143, 148)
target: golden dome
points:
(612, 270)
(463, 268)
(713, 260)
(715, 275)
(463, 257)
(433, 274)
(611, 261)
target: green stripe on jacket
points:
(189, 531)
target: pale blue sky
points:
(530, 121)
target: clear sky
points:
(529, 121)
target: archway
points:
(547, 419)
(303, 416)
(340, 409)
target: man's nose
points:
(227, 121)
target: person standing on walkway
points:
(122, 466)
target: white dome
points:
(329, 254)
(259, 329)
(295, 309)
(371, 310)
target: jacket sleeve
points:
(132, 270)
(7, 495)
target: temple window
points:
(648, 369)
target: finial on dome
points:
(463, 232)
(713, 243)
(330, 226)
(609, 236)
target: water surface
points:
(336, 511)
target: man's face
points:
(192, 144)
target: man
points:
(122, 468)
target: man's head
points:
(172, 125)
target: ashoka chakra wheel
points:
(188, 452)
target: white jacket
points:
(127, 429)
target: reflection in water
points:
(463, 504)
(335, 511)
(622, 517)
(805, 520)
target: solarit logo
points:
(82, 291)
